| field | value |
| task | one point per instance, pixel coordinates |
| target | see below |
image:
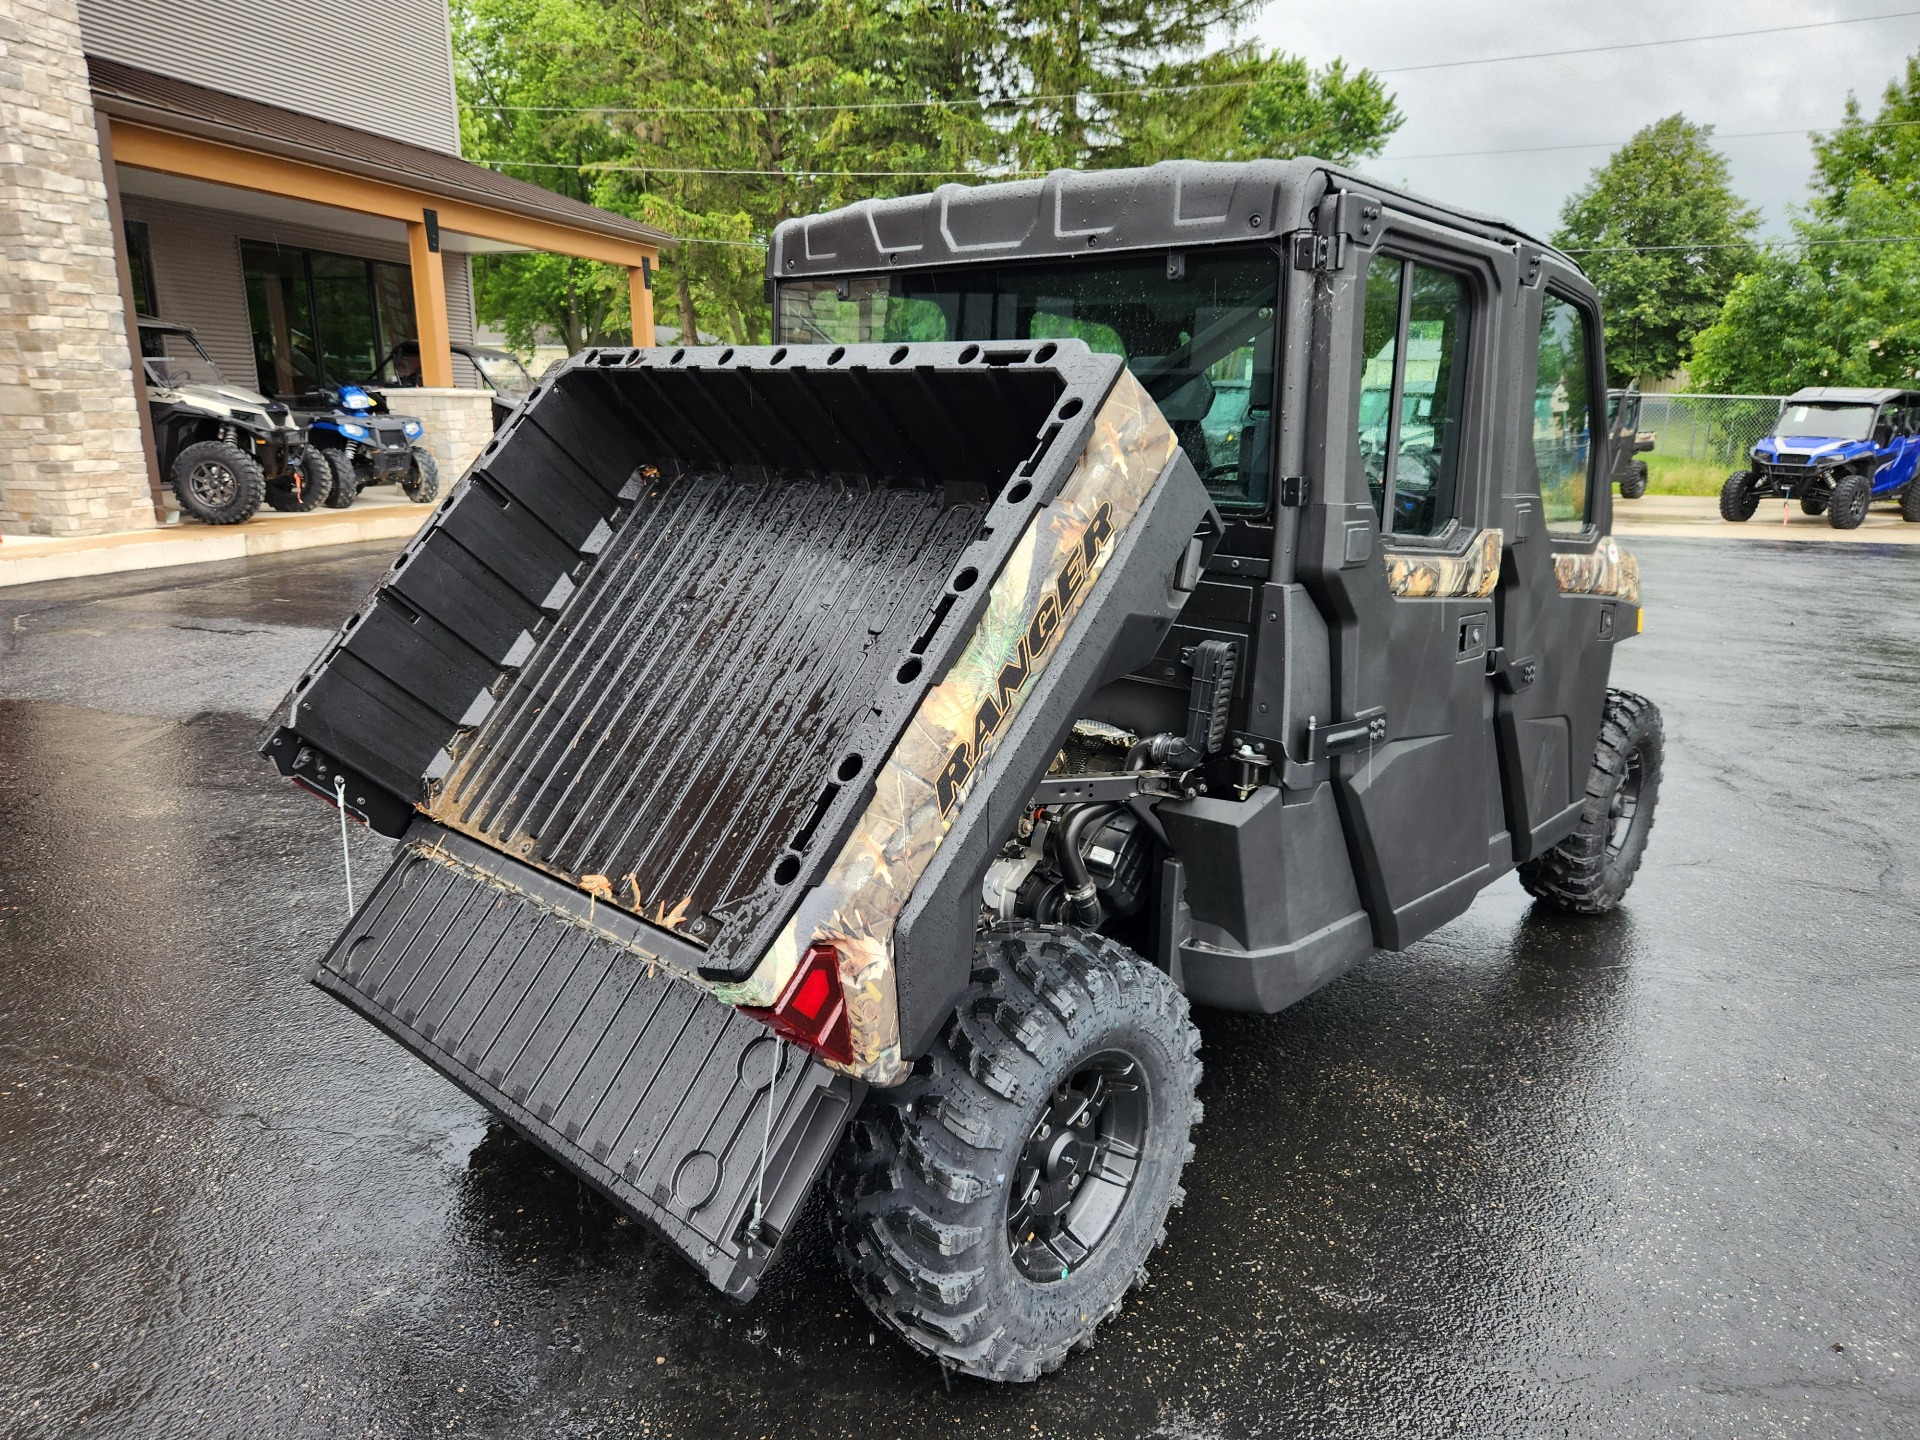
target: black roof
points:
(1845, 395)
(1172, 205)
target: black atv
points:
(1628, 442)
(366, 444)
(841, 761)
(223, 448)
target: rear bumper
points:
(636, 1080)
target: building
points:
(285, 178)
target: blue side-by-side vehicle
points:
(1836, 450)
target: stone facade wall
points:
(71, 461)
(459, 424)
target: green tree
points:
(1840, 307)
(1886, 149)
(1664, 238)
(717, 119)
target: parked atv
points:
(1836, 451)
(223, 448)
(365, 444)
(1628, 442)
(842, 763)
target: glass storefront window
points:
(320, 318)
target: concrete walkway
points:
(1698, 516)
(381, 513)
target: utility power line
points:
(1189, 89)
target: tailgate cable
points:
(766, 1139)
(346, 855)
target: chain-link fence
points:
(1716, 429)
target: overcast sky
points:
(1795, 81)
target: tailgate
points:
(640, 1083)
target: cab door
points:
(1904, 450)
(1397, 549)
(1554, 644)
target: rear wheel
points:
(346, 485)
(998, 1206)
(422, 481)
(217, 483)
(1737, 498)
(1590, 870)
(1848, 507)
(307, 488)
(1910, 503)
(1633, 484)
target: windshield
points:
(1826, 422)
(173, 359)
(1202, 344)
(501, 371)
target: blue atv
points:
(1836, 451)
(366, 445)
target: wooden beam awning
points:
(179, 128)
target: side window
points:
(1563, 449)
(1412, 393)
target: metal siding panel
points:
(385, 67)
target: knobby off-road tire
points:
(314, 477)
(1066, 1052)
(423, 477)
(346, 485)
(1813, 502)
(1590, 870)
(1910, 503)
(1848, 507)
(217, 483)
(1633, 484)
(1737, 498)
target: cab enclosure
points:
(1835, 450)
(1105, 592)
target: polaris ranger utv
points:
(223, 448)
(849, 756)
(1629, 442)
(1836, 451)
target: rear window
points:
(1201, 343)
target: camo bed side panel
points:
(923, 786)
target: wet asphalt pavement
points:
(1653, 1174)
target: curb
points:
(29, 559)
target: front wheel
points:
(1848, 506)
(998, 1206)
(1633, 484)
(217, 483)
(346, 484)
(1737, 498)
(1590, 870)
(1813, 502)
(422, 482)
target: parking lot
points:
(1653, 1174)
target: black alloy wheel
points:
(1848, 507)
(1078, 1167)
(998, 1204)
(1738, 499)
(1590, 871)
(217, 483)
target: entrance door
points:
(1401, 558)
